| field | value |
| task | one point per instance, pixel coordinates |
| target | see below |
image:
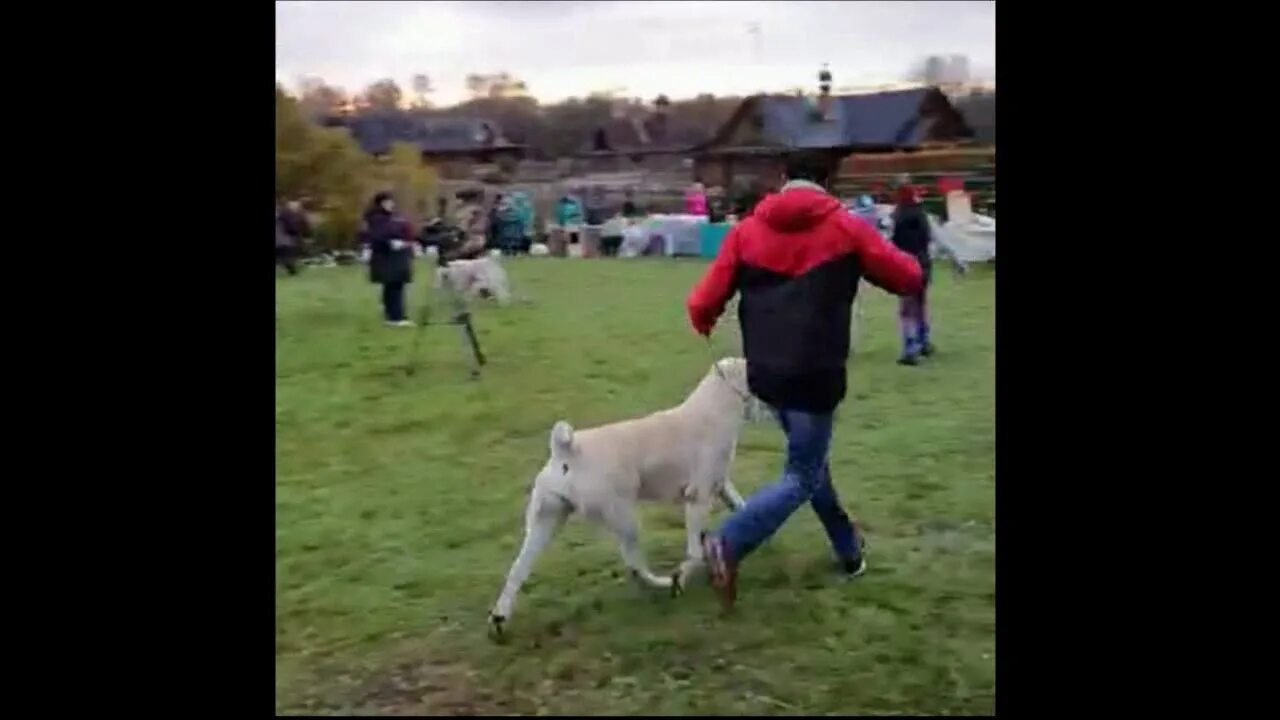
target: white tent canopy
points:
(973, 241)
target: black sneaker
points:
(908, 360)
(855, 566)
(928, 349)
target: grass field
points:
(399, 506)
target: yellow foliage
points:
(327, 166)
(413, 183)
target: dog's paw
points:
(496, 633)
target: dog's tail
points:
(562, 439)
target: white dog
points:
(481, 277)
(680, 455)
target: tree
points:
(496, 85)
(421, 89)
(293, 138)
(607, 94)
(338, 173)
(412, 182)
(319, 99)
(383, 95)
(948, 71)
(324, 165)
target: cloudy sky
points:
(640, 49)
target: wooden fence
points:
(979, 182)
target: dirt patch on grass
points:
(399, 685)
(428, 688)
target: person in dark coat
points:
(494, 229)
(390, 256)
(284, 249)
(437, 232)
(629, 207)
(292, 232)
(912, 235)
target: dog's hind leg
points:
(624, 525)
(545, 514)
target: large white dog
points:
(480, 277)
(681, 455)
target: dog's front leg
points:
(728, 493)
(545, 515)
(696, 512)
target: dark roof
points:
(979, 111)
(894, 119)
(376, 133)
(621, 136)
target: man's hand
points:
(707, 299)
(883, 264)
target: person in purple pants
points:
(912, 235)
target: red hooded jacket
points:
(797, 261)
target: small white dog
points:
(679, 455)
(480, 277)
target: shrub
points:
(328, 168)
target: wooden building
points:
(632, 143)
(453, 145)
(750, 145)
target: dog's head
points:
(732, 372)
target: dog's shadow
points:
(562, 621)
(603, 592)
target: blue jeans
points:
(806, 477)
(913, 319)
(393, 301)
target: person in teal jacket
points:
(524, 210)
(865, 207)
(570, 216)
(509, 227)
(569, 211)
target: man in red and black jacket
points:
(796, 263)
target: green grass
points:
(399, 504)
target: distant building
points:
(765, 127)
(635, 139)
(442, 141)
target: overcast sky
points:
(641, 49)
